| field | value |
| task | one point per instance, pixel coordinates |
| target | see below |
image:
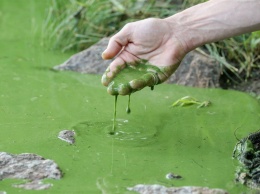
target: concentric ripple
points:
(133, 133)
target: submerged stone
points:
(30, 167)
(173, 176)
(247, 152)
(156, 189)
(67, 135)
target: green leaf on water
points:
(188, 101)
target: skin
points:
(164, 42)
(126, 83)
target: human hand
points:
(150, 40)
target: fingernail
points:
(103, 55)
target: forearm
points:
(215, 20)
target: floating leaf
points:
(188, 100)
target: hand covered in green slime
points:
(147, 49)
(133, 77)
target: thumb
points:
(116, 44)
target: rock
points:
(159, 189)
(30, 167)
(67, 135)
(3, 192)
(251, 87)
(246, 152)
(172, 176)
(196, 69)
(33, 185)
(87, 61)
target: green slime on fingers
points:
(114, 118)
(128, 111)
(134, 77)
(131, 79)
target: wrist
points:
(194, 26)
(180, 30)
(213, 21)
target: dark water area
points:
(36, 103)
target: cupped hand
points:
(151, 40)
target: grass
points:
(77, 24)
(237, 55)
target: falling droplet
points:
(111, 133)
(114, 119)
(128, 110)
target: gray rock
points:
(67, 135)
(251, 86)
(33, 185)
(246, 151)
(87, 61)
(173, 176)
(159, 189)
(30, 167)
(196, 69)
(3, 192)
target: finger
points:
(137, 84)
(167, 71)
(112, 90)
(121, 89)
(151, 79)
(118, 64)
(114, 68)
(116, 43)
(124, 89)
(114, 47)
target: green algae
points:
(128, 110)
(132, 78)
(114, 118)
(36, 103)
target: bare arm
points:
(215, 20)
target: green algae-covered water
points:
(36, 103)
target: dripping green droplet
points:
(128, 110)
(111, 133)
(114, 119)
